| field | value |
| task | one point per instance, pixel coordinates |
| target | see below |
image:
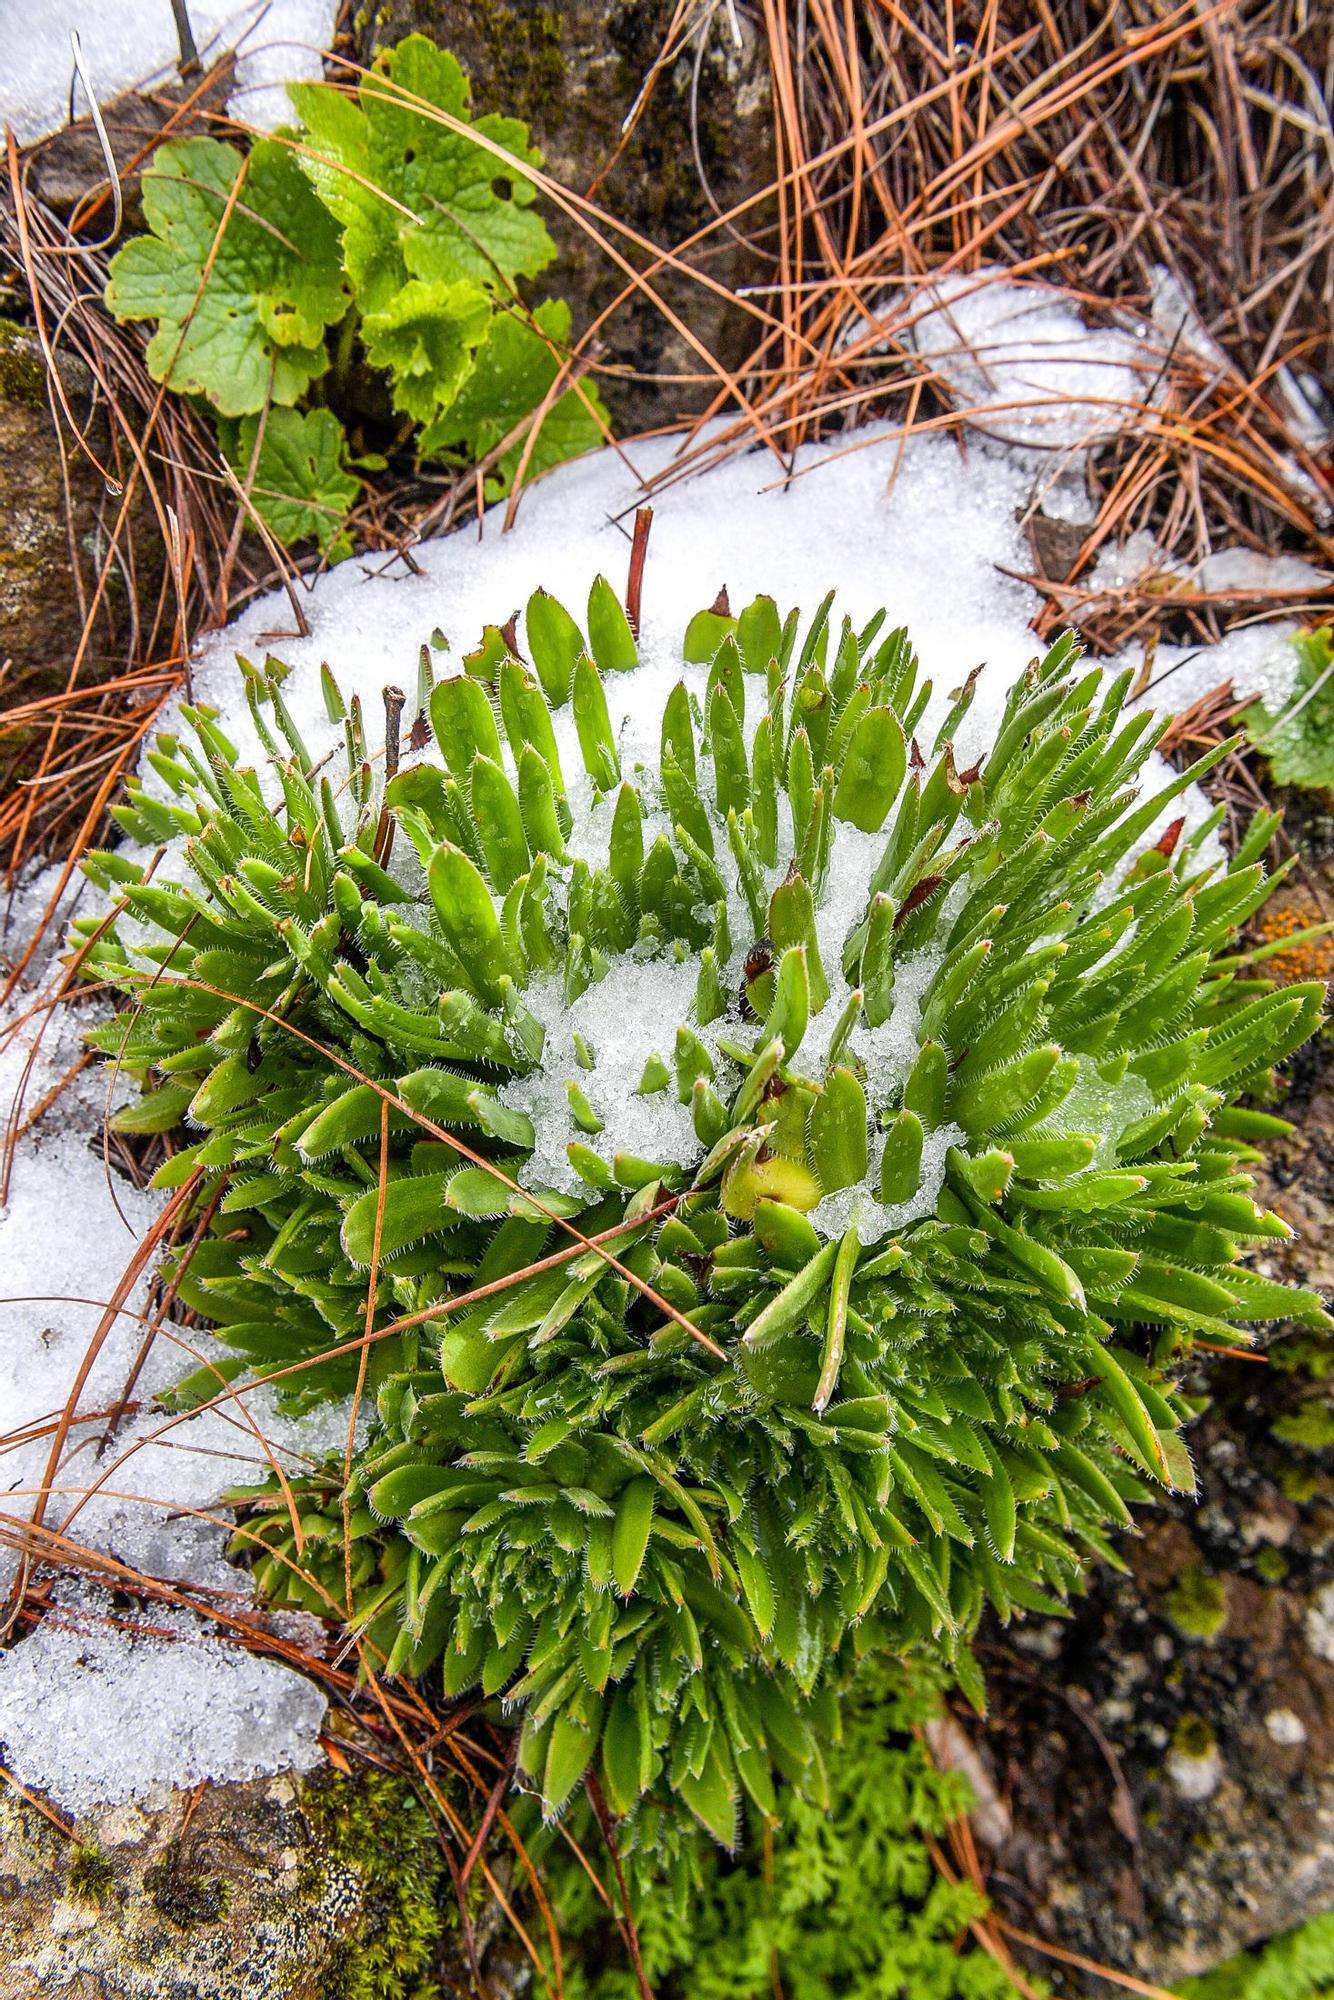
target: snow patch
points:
(75, 1716)
(129, 43)
(624, 1018)
(1024, 364)
(1195, 1778)
(77, 1719)
(1258, 660)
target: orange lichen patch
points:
(1290, 915)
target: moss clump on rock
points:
(1311, 1428)
(1194, 1737)
(379, 1829)
(91, 1878)
(1197, 1603)
(22, 373)
(1271, 1565)
(327, 1888)
(185, 1893)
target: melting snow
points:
(72, 1714)
(1256, 659)
(1027, 365)
(76, 1721)
(650, 997)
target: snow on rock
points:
(98, 1708)
(1231, 572)
(1237, 571)
(128, 43)
(1196, 1776)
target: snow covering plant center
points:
(792, 1170)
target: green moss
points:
(375, 1826)
(90, 1875)
(1271, 1565)
(1197, 1603)
(1299, 1484)
(1311, 1428)
(22, 376)
(1193, 1737)
(1308, 1354)
(525, 64)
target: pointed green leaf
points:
(873, 770)
(499, 823)
(554, 644)
(837, 1132)
(464, 724)
(467, 916)
(610, 639)
(594, 726)
(630, 1533)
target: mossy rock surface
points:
(38, 608)
(573, 72)
(324, 1888)
(52, 518)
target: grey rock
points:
(574, 72)
(237, 1892)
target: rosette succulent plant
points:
(789, 1172)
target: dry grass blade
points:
(372, 1290)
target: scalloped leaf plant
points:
(792, 1172)
(374, 230)
(1298, 737)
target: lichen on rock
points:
(329, 1888)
